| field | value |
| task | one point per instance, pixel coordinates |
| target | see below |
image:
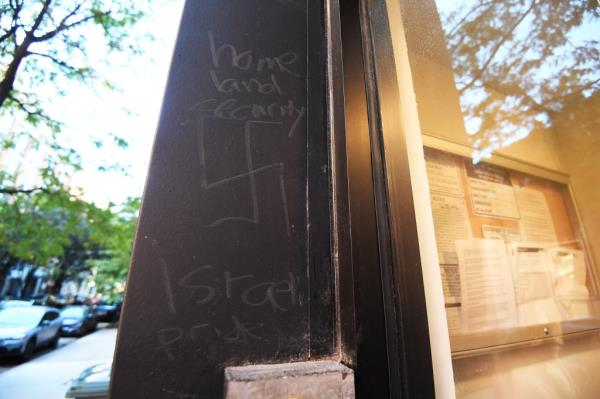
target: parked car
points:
(92, 383)
(23, 329)
(107, 312)
(14, 303)
(77, 321)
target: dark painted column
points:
(231, 261)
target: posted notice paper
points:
(507, 234)
(443, 173)
(486, 284)
(450, 283)
(451, 223)
(532, 272)
(536, 221)
(569, 273)
(491, 191)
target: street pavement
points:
(8, 363)
(48, 375)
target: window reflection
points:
(523, 66)
(514, 189)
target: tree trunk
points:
(6, 263)
(58, 282)
(29, 285)
(21, 51)
(7, 83)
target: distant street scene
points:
(81, 84)
(49, 373)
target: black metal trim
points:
(371, 369)
(409, 350)
(320, 267)
(341, 247)
(393, 333)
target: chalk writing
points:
(248, 61)
(249, 174)
(233, 108)
(187, 281)
(244, 287)
(238, 332)
(242, 333)
(167, 337)
(229, 280)
(241, 118)
(224, 281)
(266, 293)
(164, 269)
(252, 85)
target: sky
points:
(131, 112)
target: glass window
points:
(510, 119)
(74, 311)
(20, 317)
(51, 315)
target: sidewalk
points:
(49, 376)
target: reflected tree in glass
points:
(522, 66)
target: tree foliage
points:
(47, 46)
(68, 236)
(113, 263)
(44, 45)
(46, 40)
(520, 63)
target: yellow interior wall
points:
(577, 131)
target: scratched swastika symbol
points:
(230, 161)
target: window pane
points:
(512, 161)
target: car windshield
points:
(14, 304)
(20, 316)
(73, 312)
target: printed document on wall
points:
(508, 234)
(491, 191)
(443, 173)
(532, 272)
(487, 290)
(536, 221)
(451, 222)
(569, 273)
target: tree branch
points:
(497, 47)
(453, 30)
(16, 9)
(8, 33)
(39, 18)
(33, 112)
(62, 28)
(15, 190)
(56, 61)
(8, 80)
(574, 93)
(519, 92)
(19, 54)
(64, 25)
